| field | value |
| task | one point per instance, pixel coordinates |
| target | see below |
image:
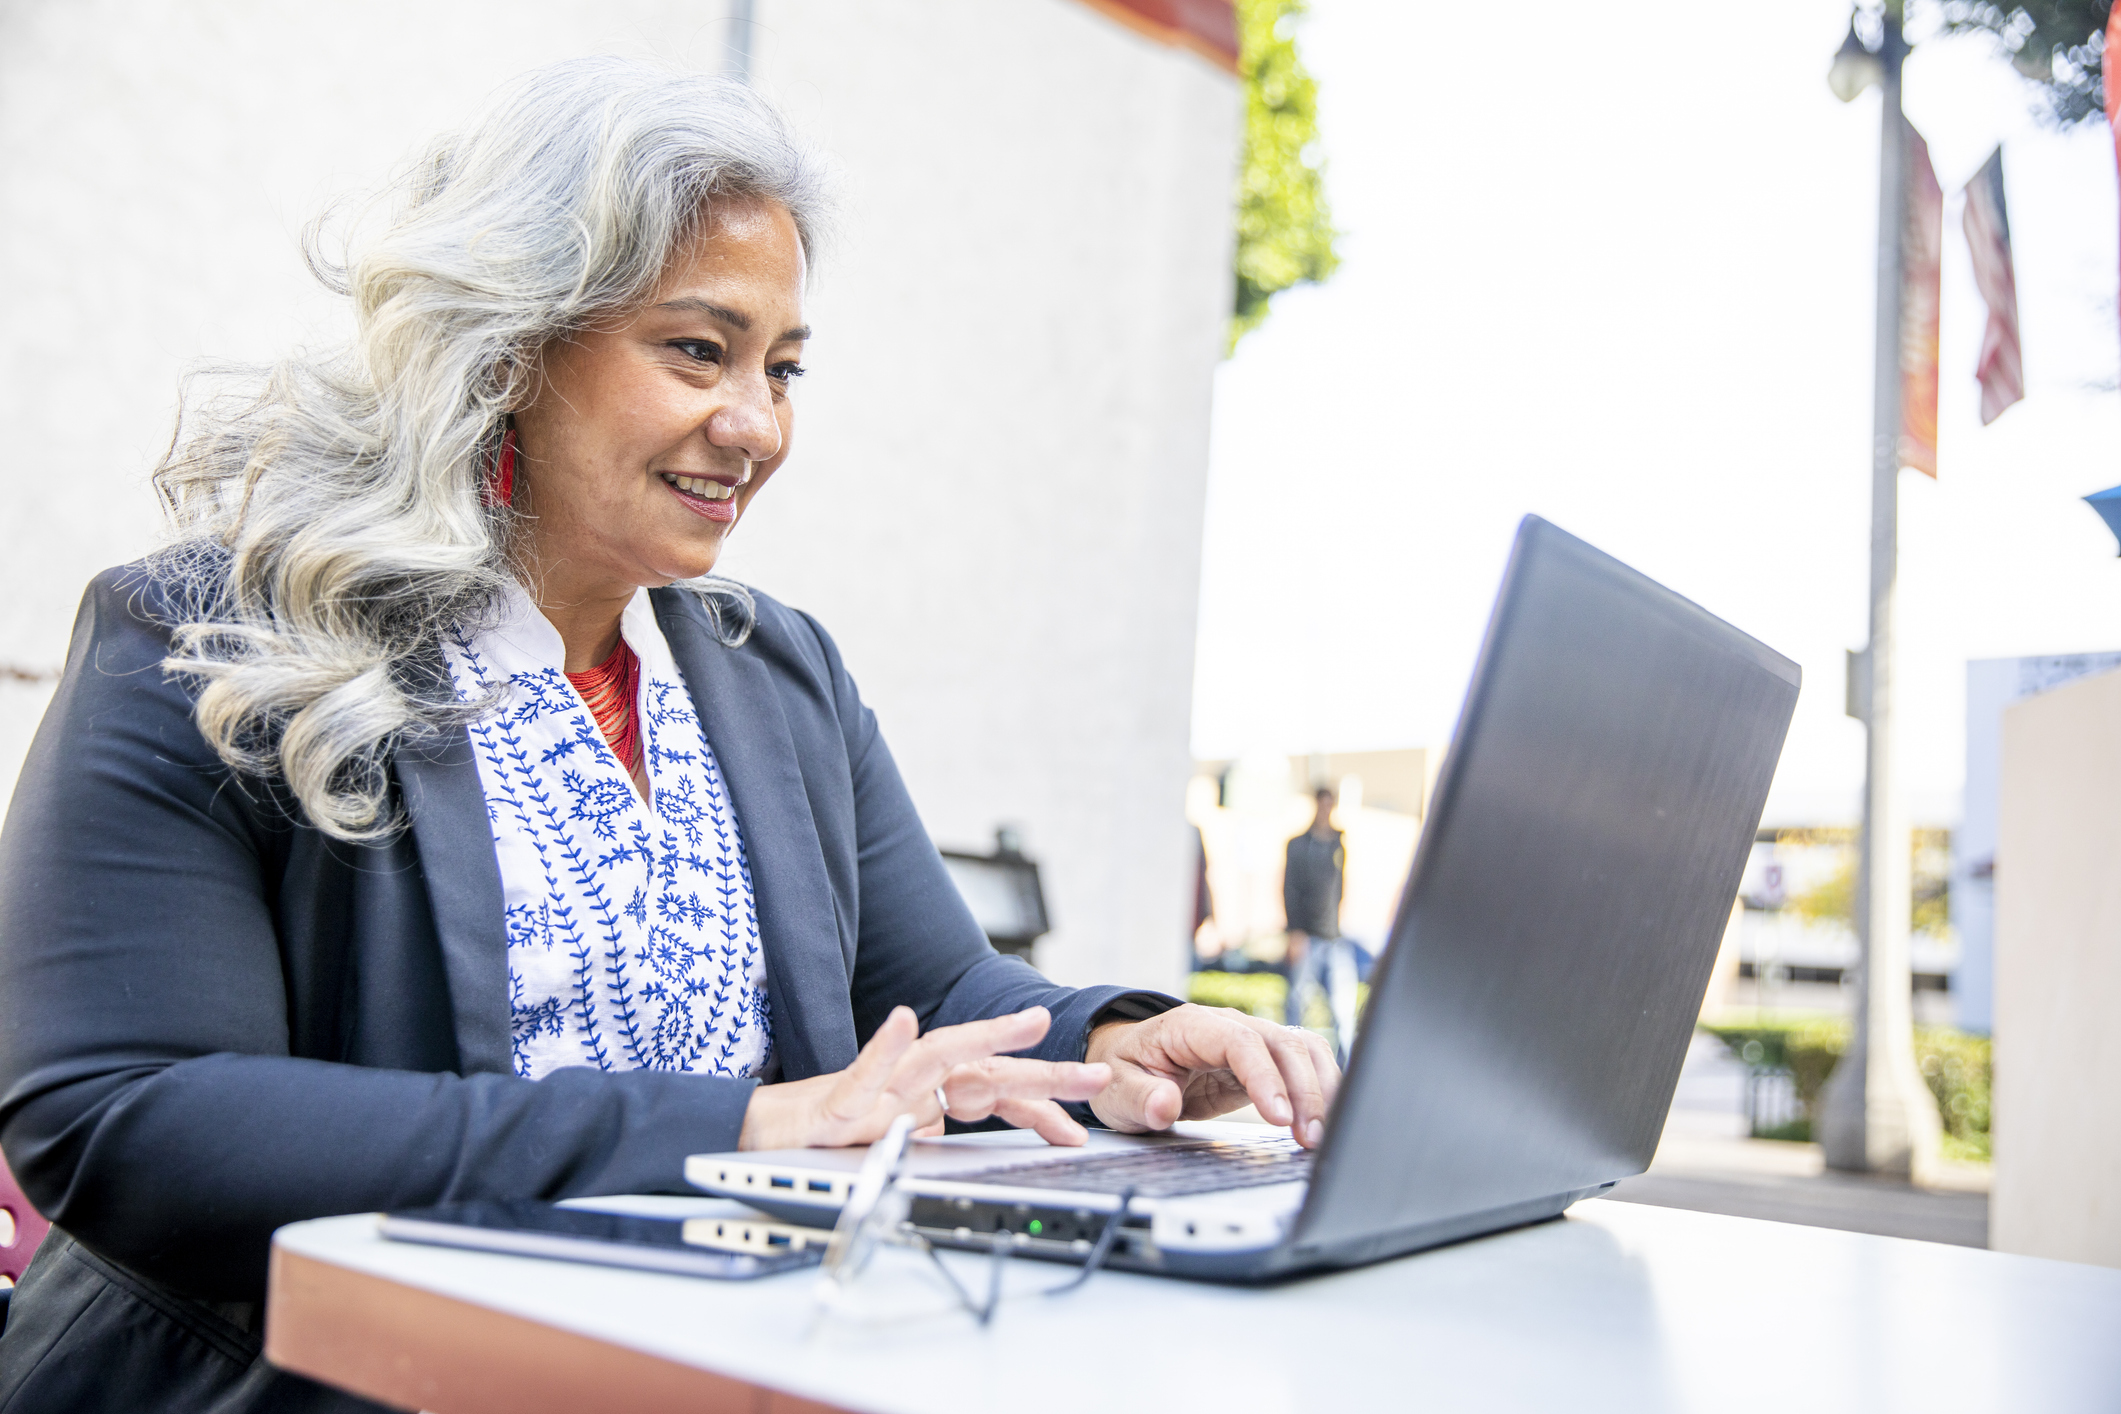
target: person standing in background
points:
(1310, 897)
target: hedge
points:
(1263, 994)
(1957, 1065)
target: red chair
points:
(21, 1229)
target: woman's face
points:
(647, 440)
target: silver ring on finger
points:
(942, 1101)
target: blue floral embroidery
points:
(634, 944)
(528, 1021)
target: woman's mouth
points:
(703, 496)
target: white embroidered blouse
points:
(633, 939)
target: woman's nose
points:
(746, 422)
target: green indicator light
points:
(1036, 1227)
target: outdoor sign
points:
(1993, 684)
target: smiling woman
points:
(645, 441)
(426, 823)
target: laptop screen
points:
(1566, 904)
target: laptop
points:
(1527, 1020)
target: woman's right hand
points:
(898, 1073)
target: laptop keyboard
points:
(1164, 1171)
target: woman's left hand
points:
(960, 1072)
(1196, 1062)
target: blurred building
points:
(995, 504)
(1796, 937)
(1797, 947)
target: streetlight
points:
(1876, 1114)
(1855, 68)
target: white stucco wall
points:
(2058, 976)
(995, 503)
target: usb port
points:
(776, 1239)
(820, 1185)
(782, 1182)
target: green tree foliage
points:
(2058, 44)
(1834, 897)
(1284, 231)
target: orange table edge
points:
(404, 1346)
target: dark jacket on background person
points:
(1311, 882)
(215, 1019)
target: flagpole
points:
(743, 19)
(1876, 1114)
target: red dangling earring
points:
(500, 488)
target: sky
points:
(1622, 276)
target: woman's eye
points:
(699, 350)
(783, 372)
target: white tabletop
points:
(1615, 1307)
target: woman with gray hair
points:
(427, 824)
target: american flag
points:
(1988, 235)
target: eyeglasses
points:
(877, 1212)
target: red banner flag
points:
(1988, 236)
(1921, 298)
(1207, 27)
(2113, 81)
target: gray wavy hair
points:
(328, 514)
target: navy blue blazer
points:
(215, 1019)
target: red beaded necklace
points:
(610, 689)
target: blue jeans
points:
(1330, 965)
